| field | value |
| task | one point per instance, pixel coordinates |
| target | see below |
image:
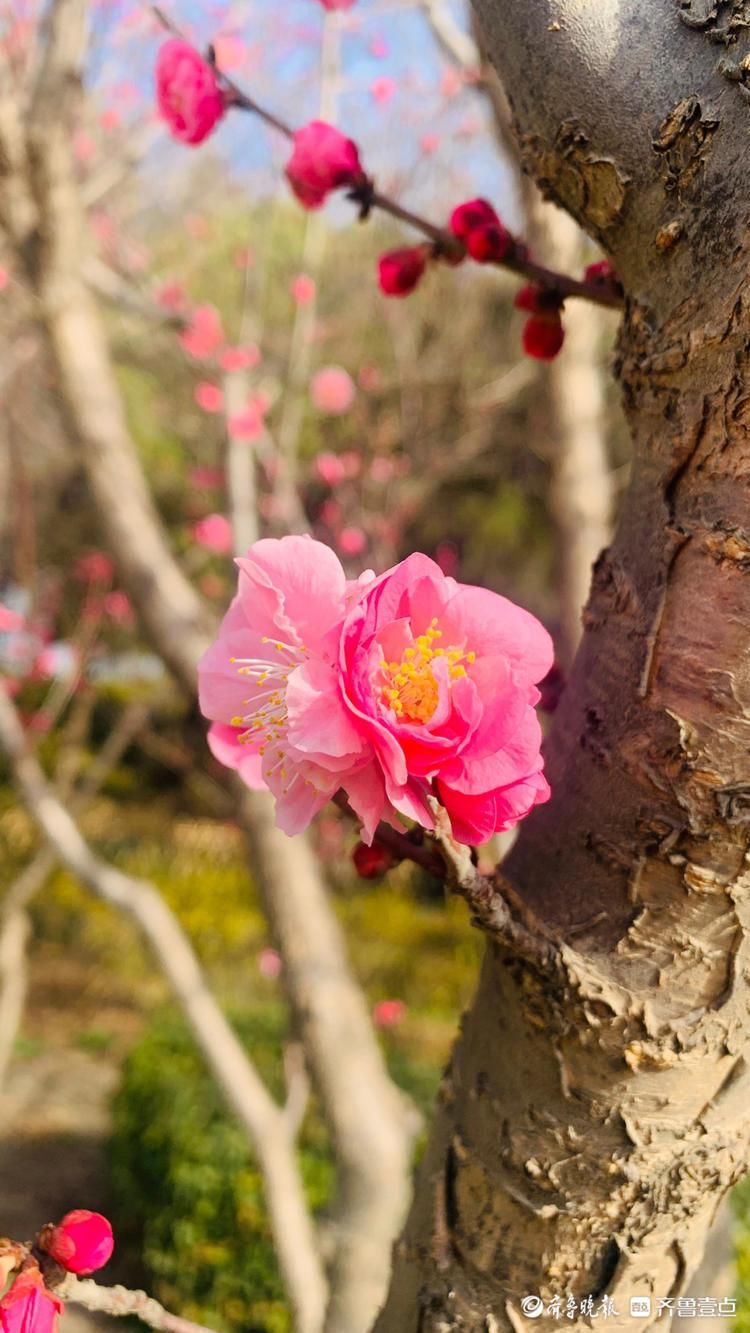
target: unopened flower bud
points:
(400, 271)
(82, 1242)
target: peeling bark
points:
(595, 1115)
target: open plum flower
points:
(396, 689)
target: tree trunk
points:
(595, 1115)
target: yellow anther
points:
(457, 672)
(409, 653)
(237, 721)
(471, 657)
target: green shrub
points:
(188, 1194)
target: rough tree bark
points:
(595, 1113)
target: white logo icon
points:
(640, 1307)
(532, 1306)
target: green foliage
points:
(184, 1180)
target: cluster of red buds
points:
(193, 97)
(80, 1243)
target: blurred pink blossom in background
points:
(269, 964)
(388, 1013)
(352, 541)
(241, 358)
(209, 397)
(214, 533)
(329, 468)
(333, 390)
(303, 289)
(204, 334)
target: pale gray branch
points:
(121, 1302)
(231, 1066)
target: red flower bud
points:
(28, 1307)
(371, 862)
(543, 336)
(82, 1242)
(479, 227)
(187, 92)
(322, 160)
(400, 271)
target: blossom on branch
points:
(398, 690)
(82, 1242)
(400, 271)
(322, 160)
(187, 91)
(543, 333)
(479, 227)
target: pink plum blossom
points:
(9, 620)
(388, 1013)
(206, 478)
(382, 89)
(28, 1306)
(214, 533)
(329, 468)
(397, 689)
(303, 289)
(204, 334)
(322, 160)
(333, 5)
(240, 358)
(118, 608)
(352, 541)
(187, 92)
(170, 295)
(247, 424)
(333, 390)
(270, 965)
(209, 397)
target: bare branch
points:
(456, 43)
(121, 1302)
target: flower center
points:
(409, 687)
